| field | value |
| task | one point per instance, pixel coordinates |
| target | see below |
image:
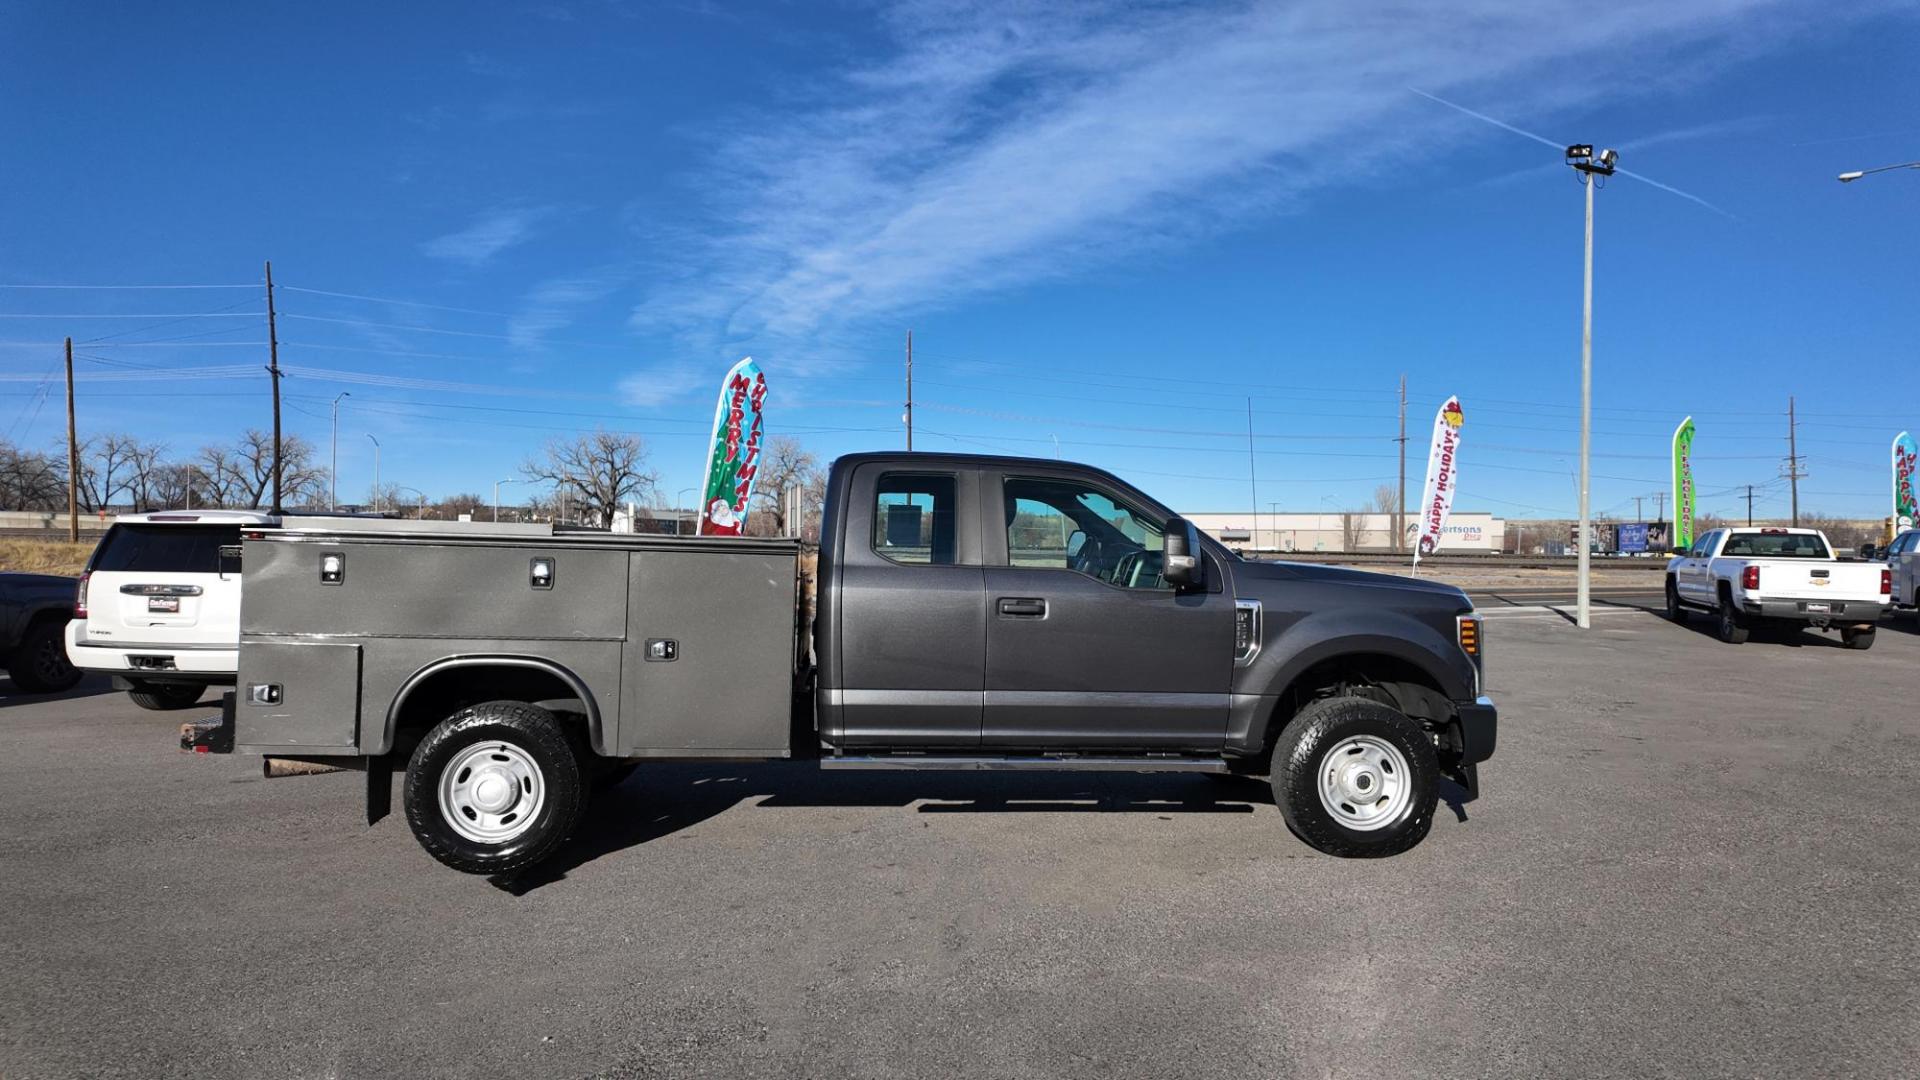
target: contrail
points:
(1544, 141)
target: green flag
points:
(1683, 485)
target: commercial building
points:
(1334, 530)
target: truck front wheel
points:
(494, 788)
(1356, 778)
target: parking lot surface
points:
(1690, 859)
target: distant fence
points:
(48, 522)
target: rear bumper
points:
(158, 659)
(1839, 611)
(1479, 729)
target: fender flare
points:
(1249, 730)
(595, 734)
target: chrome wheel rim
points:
(492, 792)
(1364, 782)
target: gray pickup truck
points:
(970, 613)
(34, 609)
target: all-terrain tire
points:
(529, 745)
(39, 664)
(1857, 639)
(165, 697)
(1306, 753)
(1675, 612)
(1728, 624)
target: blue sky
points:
(1110, 226)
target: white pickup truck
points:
(1750, 576)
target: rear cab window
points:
(1776, 545)
(166, 549)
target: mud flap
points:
(379, 788)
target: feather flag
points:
(1443, 478)
(735, 453)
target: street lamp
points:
(496, 495)
(1850, 177)
(333, 501)
(376, 474)
(416, 491)
(1593, 170)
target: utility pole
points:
(1659, 506)
(1400, 509)
(73, 458)
(1253, 485)
(1636, 508)
(273, 365)
(1592, 169)
(1749, 504)
(909, 389)
(1793, 460)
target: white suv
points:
(159, 604)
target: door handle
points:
(1023, 607)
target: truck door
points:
(1694, 579)
(911, 642)
(1086, 644)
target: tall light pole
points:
(1850, 177)
(1593, 170)
(376, 474)
(496, 495)
(333, 501)
(416, 491)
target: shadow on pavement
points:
(91, 686)
(659, 800)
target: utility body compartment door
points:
(297, 695)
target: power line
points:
(453, 333)
(142, 315)
(253, 285)
(389, 300)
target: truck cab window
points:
(913, 519)
(1068, 526)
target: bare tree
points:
(469, 503)
(219, 475)
(179, 485)
(1386, 500)
(31, 480)
(145, 461)
(106, 467)
(1351, 526)
(249, 467)
(784, 465)
(600, 472)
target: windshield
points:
(164, 549)
(1776, 546)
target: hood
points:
(1340, 575)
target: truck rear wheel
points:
(40, 665)
(1356, 778)
(494, 788)
(1854, 638)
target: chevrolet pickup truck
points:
(971, 613)
(1786, 577)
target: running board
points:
(1103, 764)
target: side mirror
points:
(1869, 553)
(1180, 543)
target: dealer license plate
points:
(167, 605)
(1819, 609)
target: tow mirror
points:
(1180, 543)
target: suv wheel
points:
(494, 788)
(39, 665)
(163, 697)
(1356, 778)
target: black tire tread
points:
(22, 668)
(534, 728)
(1295, 763)
(167, 697)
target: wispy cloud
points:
(552, 305)
(665, 382)
(489, 235)
(997, 144)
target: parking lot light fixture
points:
(1593, 170)
(1850, 177)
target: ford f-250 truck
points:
(972, 613)
(1789, 577)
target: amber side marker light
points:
(1470, 635)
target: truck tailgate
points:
(1819, 582)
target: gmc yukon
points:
(971, 613)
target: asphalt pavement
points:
(1690, 860)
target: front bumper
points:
(1839, 612)
(1479, 729)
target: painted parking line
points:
(1554, 612)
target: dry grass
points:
(45, 556)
